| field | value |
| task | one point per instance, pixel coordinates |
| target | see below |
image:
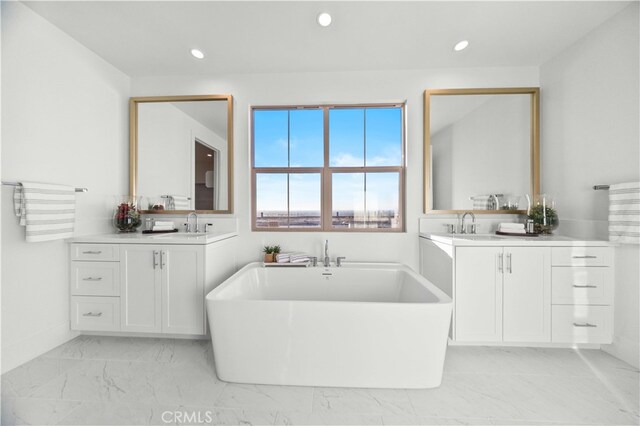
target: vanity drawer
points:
(581, 285)
(95, 252)
(95, 313)
(581, 324)
(580, 256)
(95, 278)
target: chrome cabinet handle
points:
(585, 286)
(155, 259)
(92, 252)
(575, 324)
(500, 262)
(585, 257)
(91, 314)
(92, 279)
(509, 263)
(163, 259)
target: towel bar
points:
(599, 187)
(18, 183)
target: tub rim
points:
(443, 298)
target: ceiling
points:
(153, 38)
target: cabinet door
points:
(478, 294)
(182, 289)
(527, 294)
(140, 288)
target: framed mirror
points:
(181, 153)
(481, 150)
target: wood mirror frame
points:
(534, 150)
(133, 146)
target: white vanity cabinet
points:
(161, 288)
(95, 287)
(543, 290)
(141, 286)
(503, 294)
(582, 294)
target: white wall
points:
(338, 87)
(590, 125)
(64, 120)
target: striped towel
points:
(178, 202)
(47, 211)
(484, 202)
(624, 212)
(292, 258)
(300, 257)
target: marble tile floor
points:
(136, 381)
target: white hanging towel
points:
(484, 202)
(624, 212)
(47, 211)
(179, 202)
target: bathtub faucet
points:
(327, 260)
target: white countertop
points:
(504, 240)
(168, 238)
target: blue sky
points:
(299, 134)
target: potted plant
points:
(270, 253)
(544, 216)
(126, 217)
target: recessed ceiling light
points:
(324, 19)
(461, 45)
(197, 53)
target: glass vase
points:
(126, 215)
(544, 215)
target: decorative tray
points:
(515, 234)
(150, 231)
(289, 264)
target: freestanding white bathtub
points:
(360, 325)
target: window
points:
(328, 168)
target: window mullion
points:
(364, 162)
(366, 213)
(288, 166)
(326, 190)
(288, 201)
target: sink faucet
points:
(188, 224)
(473, 224)
(327, 260)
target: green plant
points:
(545, 219)
(271, 249)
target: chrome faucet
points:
(327, 260)
(473, 224)
(339, 260)
(188, 224)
